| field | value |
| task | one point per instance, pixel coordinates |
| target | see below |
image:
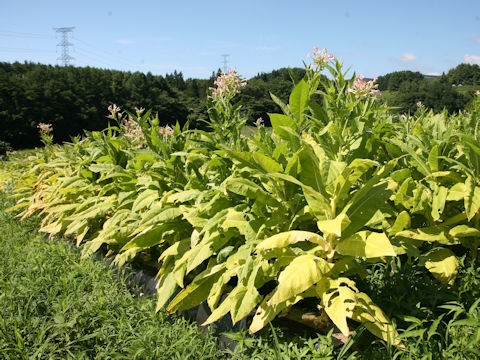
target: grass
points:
(54, 305)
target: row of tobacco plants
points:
(289, 218)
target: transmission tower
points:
(225, 62)
(64, 43)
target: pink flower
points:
(362, 88)
(228, 85)
(44, 128)
(320, 58)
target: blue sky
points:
(373, 37)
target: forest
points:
(76, 98)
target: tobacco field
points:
(281, 220)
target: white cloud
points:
(406, 57)
(471, 59)
(434, 74)
(124, 41)
(475, 39)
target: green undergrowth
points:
(54, 305)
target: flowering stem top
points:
(227, 86)
(320, 58)
(362, 88)
(45, 133)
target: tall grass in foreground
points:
(54, 305)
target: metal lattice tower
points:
(225, 62)
(64, 43)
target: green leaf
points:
(184, 196)
(366, 244)
(198, 290)
(433, 158)
(457, 192)
(298, 101)
(365, 204)
(249, 189)
(317, 203)
(280, 122)
(461, 231)
(281, 104)
(401, 223)
(256, 160)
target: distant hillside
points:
(431, 78)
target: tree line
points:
(451, 91)
(76, 98)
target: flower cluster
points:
(228, 85)
(320, 58)
(115, 112)
(362, 88)
(167, 130)
(44, 128)
(133, 132)
(46, 135)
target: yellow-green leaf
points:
(266, 311)
(298, 276)
(339, 305)
(366, 244)
(166, 289)
(291, 237)
(374, 319)
(430, 233)
(472, 198)
(442, 263)
(334, 226)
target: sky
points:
(372, 37)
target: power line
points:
(104, 54)
(24, 35)
(10, 49)
(64, 43)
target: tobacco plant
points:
(286, 219)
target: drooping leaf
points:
(339, 305)
(197, 291)
(374, 319)
(166, 288)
